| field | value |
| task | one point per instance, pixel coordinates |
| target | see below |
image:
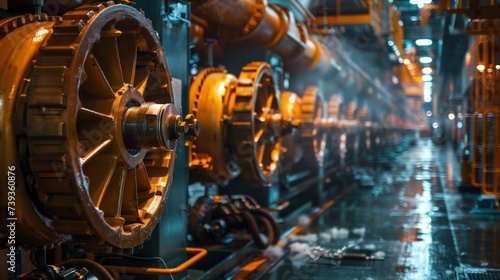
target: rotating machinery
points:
(314, 123)
(307, 116)
(243, 125)
(88, 126)
(246, 129)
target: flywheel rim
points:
(62, 117)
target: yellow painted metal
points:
(211, 160)
(485, 102)
(345, 19)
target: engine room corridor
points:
(406, 214)
(249, 139)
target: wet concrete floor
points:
(410, 217)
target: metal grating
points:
(478, 274)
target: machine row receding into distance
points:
(101, 166)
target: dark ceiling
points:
(428, 21)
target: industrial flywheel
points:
(334, 107)
(242, 124)
(98, 126)
(314, 136)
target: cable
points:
(152, 258)
(142, 259)
(93, 267)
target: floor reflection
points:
(413, 214)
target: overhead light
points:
(427, 70)
(435, 125)
(420, 2)
(451, 116)
(426, 78)
(423, 42)
(497, 67)
(425, 59)
(427, 93)
(429, 113)
(480, 67)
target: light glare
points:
(423, 42)
(427, 70)
(420, 2)
(425, 59)
(426, 78)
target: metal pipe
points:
(257, 24)
(200, 253)
(228, 13)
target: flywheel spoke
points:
(141, 79)
(100, 178)
(94, 131)
(92, 115)
(127, 46)
(114, 193)
(130, 208)
(96, 83)
(94, 151)
(106, 53)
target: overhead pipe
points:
(259, 25)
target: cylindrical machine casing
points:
(263, 31)
(229, 13)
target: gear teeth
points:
(243, 123)
(11, 24)
(334, 107)
(312, 137)
(47, 121)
